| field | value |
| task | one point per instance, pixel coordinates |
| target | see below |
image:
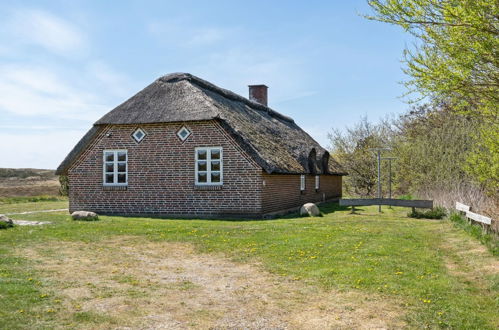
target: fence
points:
(423, 204)
(483, 220)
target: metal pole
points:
(389, 159)
(390, 178)
(379, 178)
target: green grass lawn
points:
(441, 277)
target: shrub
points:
(436, 213)
(5, 225)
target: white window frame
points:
(115, 167)
(187, 136)
(317, 182)
(143, 135)
(302, 182)
(208, 166)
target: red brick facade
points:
(282, 191)
(161, 178)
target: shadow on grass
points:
(328, 208)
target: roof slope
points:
(272, 139)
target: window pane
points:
(109, 167)
(122, 156)
(215, 154)
(202, 165)
(215, 177)
(121, 167)
(202, 154)
(109, 156)
(215, 165)
(202, 177)
(139, 135)
(109, 178)
(121, 178)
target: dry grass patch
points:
(129, 282)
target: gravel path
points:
(43, 211)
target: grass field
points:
(337, 271)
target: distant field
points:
(17, 182)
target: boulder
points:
(84, 215)
(310, 209)
(5, 222)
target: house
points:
(185, 147)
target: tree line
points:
(447, 143)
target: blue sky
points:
(63, 64)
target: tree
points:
(352, 149)
(432, 145)
(455, 61)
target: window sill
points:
(208, 187)
(114, 188)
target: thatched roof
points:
(274, 141)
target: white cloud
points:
(38, 150)
(42, 28)
(35, 91)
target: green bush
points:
(5, 225)
(436, 213)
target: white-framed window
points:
(115, 168)
(302, 182)
(209, 165)
(317, 182)
(183, 133)
(138, 135)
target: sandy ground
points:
(128, 284)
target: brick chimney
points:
(258, 93)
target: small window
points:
(302, 182)
(317, 182)
(115, 168)
(138, 135)
(183, 133)
(209, 166)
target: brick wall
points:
(282, 191)
(161, 174)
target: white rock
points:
(310, 209)
(84, 215)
